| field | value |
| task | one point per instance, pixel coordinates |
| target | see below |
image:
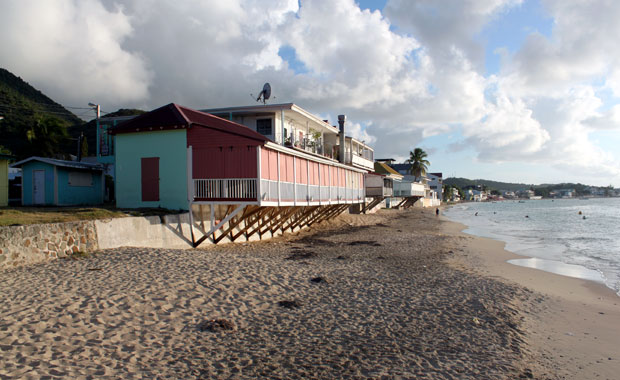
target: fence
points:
(238, 188)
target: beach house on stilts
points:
(259, 172)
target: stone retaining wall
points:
(30, 244)
(22, 245)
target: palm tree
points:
(419, 163)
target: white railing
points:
(291, 192)
(238, 188)
(408, 189)
(361, 161)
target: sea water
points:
(573, 237)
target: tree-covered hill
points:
(542, 189)
(33, 124)
(493, 185)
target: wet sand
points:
(575, 334)
(398, 294)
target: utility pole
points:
(97, 109)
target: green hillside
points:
(32, 124)
(35, 125)
(493, 185)
(543, 189)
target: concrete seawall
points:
(30, 244)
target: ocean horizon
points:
(572, 237)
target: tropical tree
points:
(419, 163)
(45, 136)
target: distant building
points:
(50, 182)
(509, 194)
(527, 194)
(435, 182)
(566, 193)
(475, 193)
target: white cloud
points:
(415, 71)
(73, 50)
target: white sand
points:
(391, 308)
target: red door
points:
(150, 179)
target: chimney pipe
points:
(341, 120)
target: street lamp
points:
(97, 108)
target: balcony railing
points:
(222, 189)
(291, 192)
(408, 189)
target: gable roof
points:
(63, 163)
(383, 168)
(174, 116)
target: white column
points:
(279, 182)
(319, 183)
(190, 179)
(308, 182)
(258, 174)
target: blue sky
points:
(528, 90)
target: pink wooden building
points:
(236, 182)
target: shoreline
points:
(541, 254)
(576, 332)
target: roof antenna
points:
(265, 93)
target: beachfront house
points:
(392, 178)
(289, 125)
(435, 183)
(232, 177)
(410, 186)
(51, 182)
(4, 179)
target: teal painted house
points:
(151, 169)
(50, 182)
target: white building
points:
(435, 182)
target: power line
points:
(54, 105)
(67, 113)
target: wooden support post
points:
(274, 219)
(320, 213)
(249, 211)
(202, 220)
(304, 215)
(290, 218)
(221, 223)
(191, 225)
(279, 225)
(258, 219)
(372, 204)
(264, 219)
(335, 211)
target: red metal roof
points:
(174, 116)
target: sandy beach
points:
(398, 294)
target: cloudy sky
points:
(512, 90)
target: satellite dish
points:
(265, 93)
